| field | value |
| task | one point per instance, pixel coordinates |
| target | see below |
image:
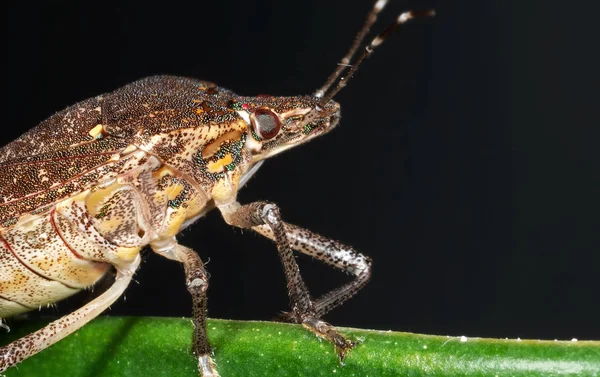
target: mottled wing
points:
(54, 160)
(71, 151)
(57, 133)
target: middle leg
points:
(197, 284)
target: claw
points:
(325, 331)
(341, 344)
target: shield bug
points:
(88, 188)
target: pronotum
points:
(88, 188)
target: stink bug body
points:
(88, 188)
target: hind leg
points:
(33, 343)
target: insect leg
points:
(304, 311)
(333, 253)
(33, 343)
(197, 284)
(263, 213)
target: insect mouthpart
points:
(316, 121)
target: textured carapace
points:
(167, 146)
(198, 128)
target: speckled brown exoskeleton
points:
(88, 188)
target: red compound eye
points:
(266, 123)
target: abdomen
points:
(46, 258)
(37, 266)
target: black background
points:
(465, 164)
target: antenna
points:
(376, 42)
(344, 63)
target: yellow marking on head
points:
(217, 166)
(213, 147)
(175, 191)
(94, 132)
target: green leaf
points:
(144, 347)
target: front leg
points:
(304, 311)
(333, 253)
